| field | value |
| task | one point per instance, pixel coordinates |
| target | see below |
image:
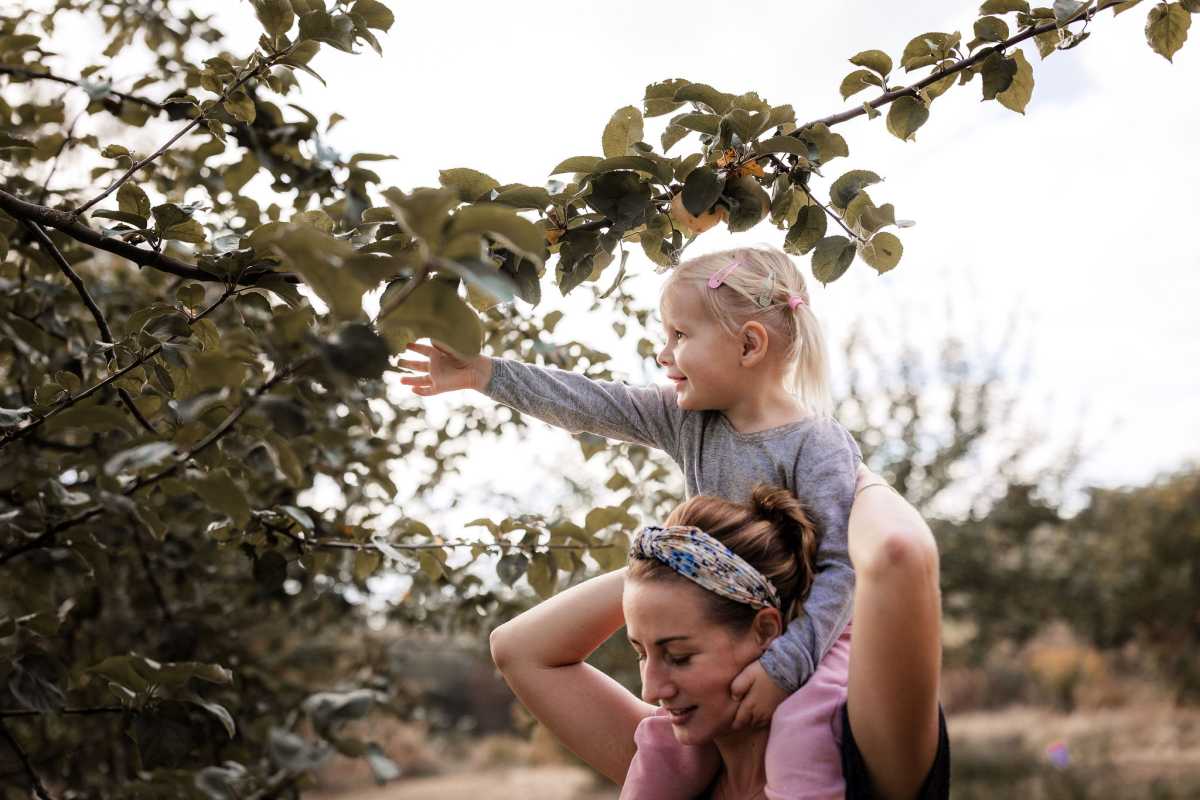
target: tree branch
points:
(129, 173)
(33, 422)
(38, 788)
(62, 221)
(26, 72)
(47, 537)
(8, 713)
(105, 333)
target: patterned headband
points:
(702, 559)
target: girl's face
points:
(687, 663)
(702, 359)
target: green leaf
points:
(189, 231)
(240, 107)
(701, 189)
(1066, 10)
(221, 492)
(139, 457)
(671, 136)
(1047, 42)
(926, 49)
(876, 60)
(357, 351)
(701, 123)
(115, 151)
(375, 13)
(276, 16)
(93, 418)
(621, 196)
(18, 43)
(829, 145)
(748, 203)
(534, 197)
(991, 29)
(423, 213)
(1017, 95)
(503, 224)
(718, 102)
(132, 200)
(857, 81)
(850, 184)
(882, 252)
(320, 259)
(510, 567)
(37, 682)
(660, 99)
(470, 184)
(1004, 7)
(809, 228)
(998, 74)
(238, 175)
(336, 30)
(622, 130)
(905, 116)
(783, 144)
(542, 574)
(1167, 28)
(577, 164)
(863, 216)
(831, 257)
(435, 310)
(270, 571)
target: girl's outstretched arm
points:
(647, 415)
(541, 654)
(896, 650)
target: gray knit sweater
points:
(816, 460)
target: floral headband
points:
(703, 560)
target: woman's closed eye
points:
(677, 661)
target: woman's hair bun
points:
(784, 511)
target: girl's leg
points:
(895, 651)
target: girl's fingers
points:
(423, 349)
(419, 366)
(417, 380)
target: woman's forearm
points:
(565, 629)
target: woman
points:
(692, 640)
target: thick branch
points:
(38, 788)
(62, 221)
(105, 333)
(129, 173)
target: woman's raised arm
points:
(541, 655)
(896, 650)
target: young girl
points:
(748, 404)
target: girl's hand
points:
(758, 697)
(444, 371)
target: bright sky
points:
(1076, 216)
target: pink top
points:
(803, 758)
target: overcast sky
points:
(1079, 216)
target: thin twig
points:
(22, 712)
(47, 537)
(105, 333)
(26, 72)
(38, 788)
(828, 211)
(203, 117)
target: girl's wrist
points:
(483, 372)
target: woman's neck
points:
(744, 756)
(762, 407)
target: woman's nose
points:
(655, 684)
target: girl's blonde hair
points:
(759, 289)
(771, 531)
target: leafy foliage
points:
(185, 604)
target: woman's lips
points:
(681, 716)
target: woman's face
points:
(686, 661)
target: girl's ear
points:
(754, 343)
(767, 625)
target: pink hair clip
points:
(720, 275)
(795, 300)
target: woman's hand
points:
(444, 371)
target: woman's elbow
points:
(901, 552)
(500, 641)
